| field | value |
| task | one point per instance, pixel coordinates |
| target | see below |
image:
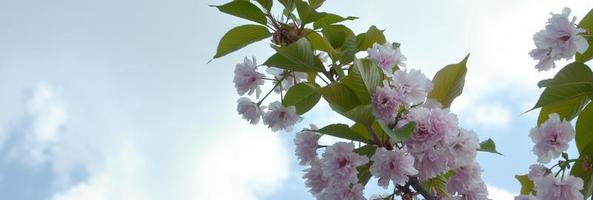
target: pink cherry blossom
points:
(478, 191)
(386, 57)
(431, 161)
(463, 148)
(338, 192)
(247, 79)
(279, 117)
(537, 171)
(314, 178)
(413, 86)
(551, 138)
(394, 165)
(432, 126)
(551, 188)
(561, 38)
(386, 103)
(306, 145)
(249, 110)
(465, 179)
(339, 163)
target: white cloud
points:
(496, 193)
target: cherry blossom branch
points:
(418, 187)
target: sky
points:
(115, 99)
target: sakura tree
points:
(400, 128)
(565, 97)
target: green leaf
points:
(363, 78)
(572, 82)
(544, 83)
(318, 42)
(401, 134)
(437, 184)
(488, 146)
(448, 83)
(245, 10)
(527, 186)
(366, 150)
(582, 169)
(267, 4)
(337, 34)
(307, 13)
(584, 129)
(297, 56)
(362, 114)
(316, 3)
(587, 24)
(344, 132)
(342, 97)
(303, 96)
(364, 173)
(240, 37)
(330, 18)
(567, 110)
(372, 36)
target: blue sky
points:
(115, 99)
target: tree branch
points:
(418, 187)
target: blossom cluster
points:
(247, 80)
(561, 38)
(551, 139)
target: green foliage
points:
(307, 14)
(527, 186)
(587, 24)
(240, 37)
(245, 10)
(582, 169)
(267, 4)
(345, 132)
(438, 185)
(399, 134)
(342, 40)
(297, 56)
(488, 146)
(584, 129)
(575, 81)
(329, 19)
(448, 83)
(321, 43)
(372, 36)
(303, 96)
(339, 96)
(567, 110)
(316, 3)
(361, 114)
(363, 78)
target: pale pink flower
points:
(306, 145)
(432, 126)
(551, 138)
(413, 86)
(431, 161)
(463, 148)
(525, 197)
(394, 165)
(314, 178)
(247, 79)
(386, 103)
(279, 117)
(289, 78)
(465, 178)
(550, 188)
(561, 38)
(339, 163)
(342, 193)
(477, 192)
(537, 171)
(386, 57)
(249, 110)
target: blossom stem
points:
(418, 187)
(271, 90)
